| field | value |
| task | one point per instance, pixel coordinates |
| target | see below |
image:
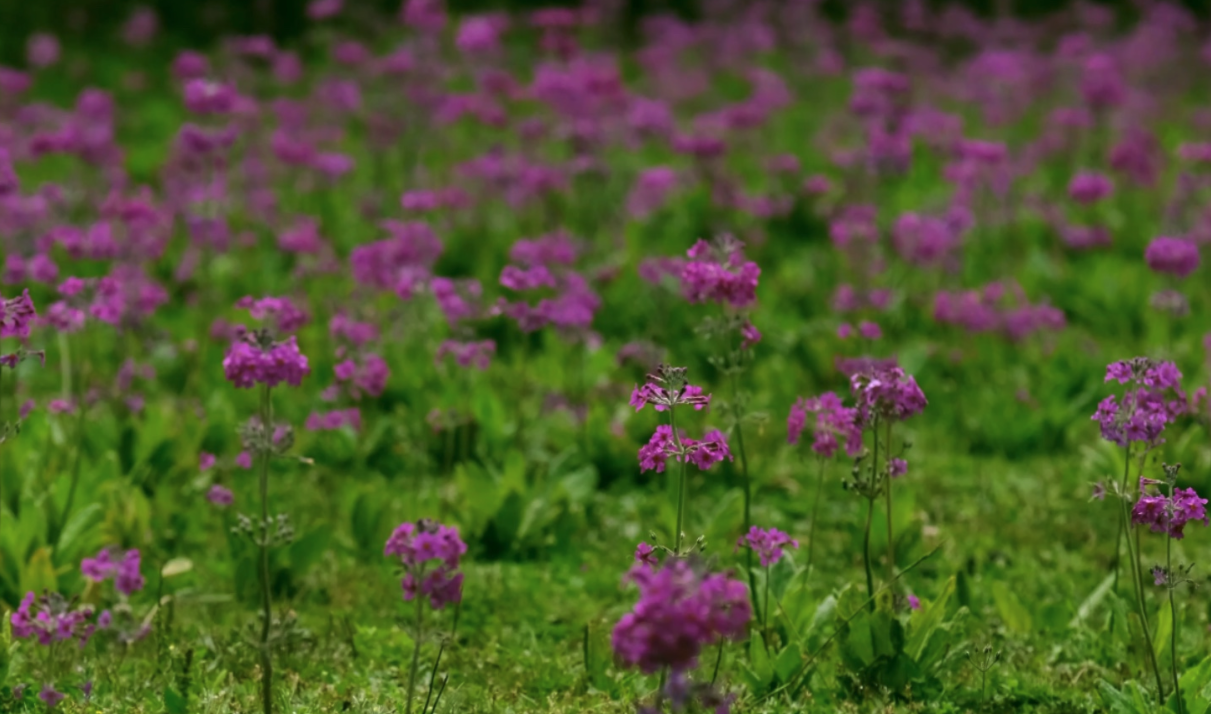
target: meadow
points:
(496, 363)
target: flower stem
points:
(1143, 610)
(870, 582)
(748, 515)
(680, 483)
(420, 624)
(891, 543)
(1177, 688)
(1118, 541)
(811, 533)
(266, 596)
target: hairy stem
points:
(1118, 541)
(870, 582)
(420, 624)
(891, 543)
(1143, 610)
(748, 514)
(1177, 688)
(811, 533)
(680, 482)
(266, 596)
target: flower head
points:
(430, 554)
(1175, 256)
(681, 610)
(768, 544)
(886, 393)
(834, 422)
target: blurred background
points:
(198, 24)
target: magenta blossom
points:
(429, 553)
(122, 567)
(680, 611)
(1164, 514)
(220, 496)
(768, 544)
(1174, 256)
(886, 393)
(834, 421)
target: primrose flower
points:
(681, 610)
(768, 544)
(429, 553)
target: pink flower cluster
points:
(680, 611)
(17, 316)
(704, 453)
(768, 544)
(284, 314)
(122, 568)
(247, 364)
(886, 393)
(834, 421)
(1153, 401)
(719, 276)
(1163, 514)
(1174, 256)
(430, 554)
(661, 398)
(50, 619)
(476, 354)
(335, 419)
(369, 377)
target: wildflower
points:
(51, 696)
(720, 274)
(1152, 401)
(1175, 256)
(869, 330)
(914, 602)
(124, 570)
(767, 543)
(244, 460)
(430, 554)
(646, 554)
(1159, 576)
(1164, 514)
(1088, 187)
(897, 467)
(833, 421)
(264, 362)
(205, 461)
(51, 618)
(1099, 492)
(17, 315)
(220, 496)
(680, 611)
(668, 388)
(886, 393)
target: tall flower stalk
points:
(665, 390)
(259, 358)
(429, 553)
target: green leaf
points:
(924, 621)
(306, 551)
(1090, 603)
(78, 524)
(858, 646)
(174, 703)
(1196, 688)
(788, 662)
(1160, 638)
(1016, 617)
(1130, 700)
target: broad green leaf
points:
(174, 702)
(922, 623)
(1016, 617)
(1162, 628)
(1090, 603)
(788, 662)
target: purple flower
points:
(869, 330)
(914, 602)
(220, 496)
(51, 696)
(51, 618)
(719, 275)
(429, 553)
(1087, 187)
(16, 316)
(124, 570)
(1099, 491)
(205, 461)
(646, 554)
(1159, 576)
(1174, 256)
(680, 611)
(886, 393)
(247, 364)
(244, 460)
(1152, 401)
(897, 467)
(834, 421)
(1163, 514)
(767, 543)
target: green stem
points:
(266, 597)
(420, 624)
(680, 483)
(1177, 689)
(1118, 541)
(811, 533)
(75, 473)
(891, 543)
(748, 516)
(1143, 610)
(870, 582)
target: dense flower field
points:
(490, 363)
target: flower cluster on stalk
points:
(429, 553)
(1153, 399)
